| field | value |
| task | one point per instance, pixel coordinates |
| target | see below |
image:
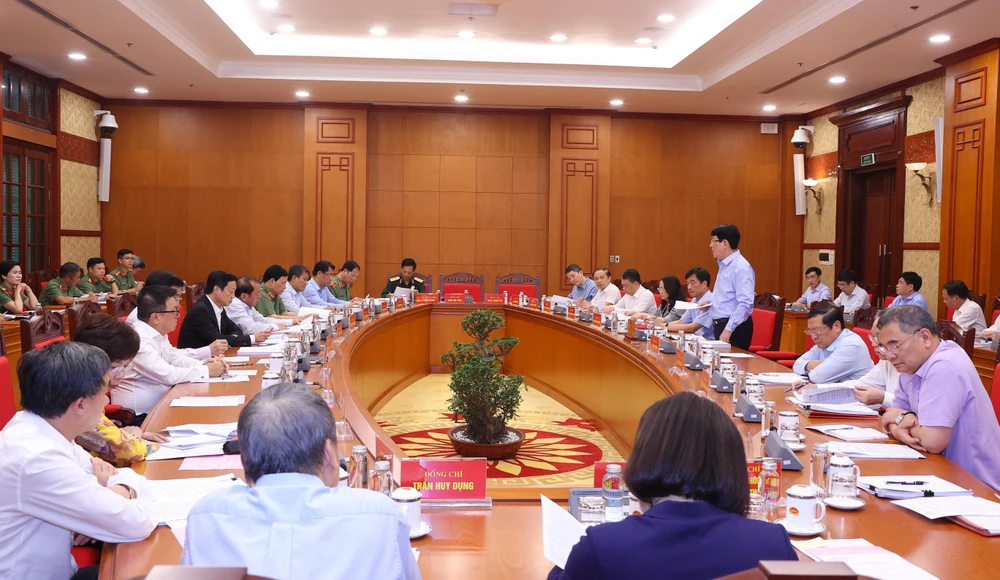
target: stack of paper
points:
(322, 313)
(909, 486)
(237, 360)
(560, 532)
(946, 507)
(261, 350)
(779, 378)
(224, 401)
(833, 393)
(853, 410)
(850, 432)
(193, 440)
(864, 558)
(982, 525)
(228, 378)
(174, 498)
(874, 450)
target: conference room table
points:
(601, 376)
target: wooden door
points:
(873, 240)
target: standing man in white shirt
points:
(968, 314)
(607, 293)
(636, 298)
(159, 365)
(50, 488)
(697, 320)
(293, 297)
(816, 289)
(732, 299)
(242, 310)
(852, 297)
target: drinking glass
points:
(843, 486)
(329, 397)
(324, 378)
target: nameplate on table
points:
(654, 343)
(427, 298)
(571, 311)
(445, 478)
(755, 466)
(454, 298)
(494, 299)
(601, 469)
(400, 303)
(533, 303)
(547, 305)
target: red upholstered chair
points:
(460, 282)
(122, 305)
(516, 283)
(789, 361)
(996, 310)
(42, 329)
(888, 301)
(951, 314)
(866, 334)
(191, 295)
(80, 313)
(948, 330)
(979, 299)
(767, 329)
(864, 318)
(656, 297)
(7, 406)
(995, 391)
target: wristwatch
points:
(899, 417)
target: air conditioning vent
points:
(472, 9)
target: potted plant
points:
(483, 397)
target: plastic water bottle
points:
(613, 490)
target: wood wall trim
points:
(697, 117)
(74, 88)
(969, 52)
(78, 149)
(335, 130)
(967, 139)
(81, 233)
(886, 106)
(822, 166)
(890, 88)
(23, 133)
(819, 246)
(580, 136)
(920, 148)
(921, 246)
(327, 163)
(200, 104)
(970, 90)
(571, 168)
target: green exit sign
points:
(868, 159)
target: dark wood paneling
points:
(78, 149)
(920, 148)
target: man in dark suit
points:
(207, 321)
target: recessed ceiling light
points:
(141, 91)
(461, 98)
(377, 31)
(665, 18)
(938, 38)
(268, 4)
(617, 102)
(769, 107)
(466, 34)
(286, 28)
(837, 80)
(77, 56)
(302, 94)
(643, 40)
(558, 38)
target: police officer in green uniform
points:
(63, 290)
(97, 280)
(341, 284)
(272, 285)
(405, 279)
(123, 273)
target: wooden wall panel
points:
(456, 192)
(194, 189)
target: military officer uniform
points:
(416, 284)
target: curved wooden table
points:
(600, 376)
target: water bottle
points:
(614, 322)
(612, 488)
(741, 383)
(819, 464)
(771, 486)
(357, 476)
(681, 342)
(382, 478)
(541, 304)
(505, 298)
(769, 419)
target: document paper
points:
(222, 401)
(874, 450)
(850, 432)
(943, 507)
(864, 558)
(560, 532)
(174, 498)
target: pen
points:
(905, 482)
(838, 429)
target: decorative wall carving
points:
(579, 137)
(967, 161)
(78, 149)
(330, 130)
(970, 90)
(579, 212)
(335, 180)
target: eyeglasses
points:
(713, 241)
(894, 348)
(120, 370)
(814, 331)
(176, 311)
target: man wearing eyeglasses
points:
(941, 406)
(159, 365)
(732, 299)
(838, 354)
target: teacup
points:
(842, 464)
(803, 509)
(788, 426)
(408, 500)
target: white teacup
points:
(622, 324)
(788, 426)
(408, 500)
(803, 508)
(843, 464)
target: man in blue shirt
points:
(817, 290)
(287, 523)
(839, 354)
(584, 289)
(696, 321)
(732, 299)
(908, 291)
(317, 292)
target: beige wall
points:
(79, 208)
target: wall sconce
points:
(817, 195)
(925, 180)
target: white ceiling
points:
(715, 58)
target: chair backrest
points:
(950, 315)
(428, 281)
(517, 282)
(776, 304)
(459, 282)
(657, 298)
(995, 391)
(192, 293)
(42, 329)
(122, 305)
(7, 406)
(865, 317)
(948, 330)
(763, 328)
(979, 299)
(888, 301)
(866, 334)
(80, 313)
(996, 314)
(38, 279)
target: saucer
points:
(845, 503)
(795, 446)
(425, 529)
(817, 530)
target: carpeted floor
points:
(559, 448)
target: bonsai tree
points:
(485, 398)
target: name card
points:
(571, 311)
(427, 298)
(547, 305)
(445, 478)
(601, 469)
(654, 342)
(494, 298)
(400, 303)
(454, 298)
(533, 303)
(365, 312)
(754, 467)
